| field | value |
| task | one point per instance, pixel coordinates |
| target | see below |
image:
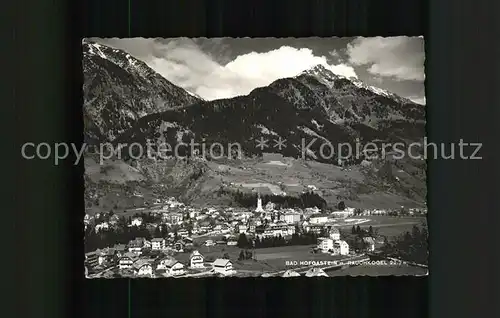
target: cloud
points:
(400, 58)
(182, 62)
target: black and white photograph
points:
(254, 157)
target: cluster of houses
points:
(290, 273)
(139, 259)
(410, 211)
(263, 222)
(333, 244)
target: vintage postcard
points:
(254, 157)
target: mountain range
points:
(119, 89)
(126, 102)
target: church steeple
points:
(259, 204)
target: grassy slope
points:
(198, 182)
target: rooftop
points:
(319, 215)
(290, 273)
(369, 240)
(169, 262)
(220, 262)
(129, 255)
(141, 262)
(334, 230)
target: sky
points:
(226, 67)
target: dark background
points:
(42, 218)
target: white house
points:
(251, 226)
(276, 230)
(291, 218)
(86, 219)
(196, 260)
(106, 255)
(158, 244)
(120, 249)
(179, 246)
(290, 273)
(316, 272)
(370, 243)
(334, 234)
(242, 228)
(127, 260)
(137, 221)
(174, 218)
(223, 266)
(171, 266)
(92, 258)
(143, 267)
(344, 213)
(314, 228)
(193, 214)
(101, 226)
(318, 219)
(225, 229)
(269, 206)
(340, 248)
(325, 244)
(146, 243)
(114, 219)
(175, 269)
(314, 210)
(102, 258)
(136, 246)
(312, 187)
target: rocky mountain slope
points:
(127, 102)
(346, 100)
(119, 89)
(317, 104)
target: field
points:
(388, 225)
(275, 259)
(266, 259)
(294, 176)
(287, 176)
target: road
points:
(304, 269)
(394, 224)
(209, 272)
(101, 273)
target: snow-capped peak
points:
(327, 77)
(376, 90)
(95, 48)
(321, 72)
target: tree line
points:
(120, 235)
(357, 230)
(305, 200)
(410, 246)
(276, 241)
